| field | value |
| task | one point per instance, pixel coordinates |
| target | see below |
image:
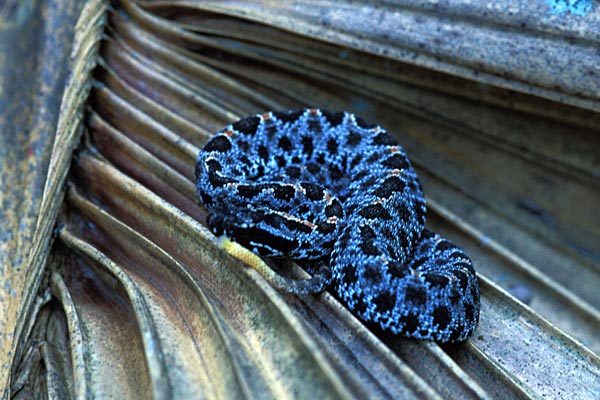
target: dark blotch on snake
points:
(307, 146)
(384, 139)
(411, 322)
(334, 210)
(397, 161)
(373, 274)
(398, 270)
(313, 168)
(363, 123)
(326, 227)
(218, 143)
(281, 161)
(313, 192)
(315, 126)
(415, 293)
(247, 125)
(367, 246)
(390, 186)
(293, 172)
(287, 116)
(436, 280)
(441, 317)
(385, 301)
(321, 158)
(248, 191)
(284, 143)
(332, 146)
(284, 192)
(333, 117)
(353, 139)
(263, 152)
(374, 211)
(355, 161)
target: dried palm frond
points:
(133, 297)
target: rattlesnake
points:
(332, 189)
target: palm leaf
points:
(125, 293)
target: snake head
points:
(298, 221)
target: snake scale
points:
(330, 188)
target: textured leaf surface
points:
(135, 299)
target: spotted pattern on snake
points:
(330, 188)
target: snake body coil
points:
(321, 186)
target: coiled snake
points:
(333, 190)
